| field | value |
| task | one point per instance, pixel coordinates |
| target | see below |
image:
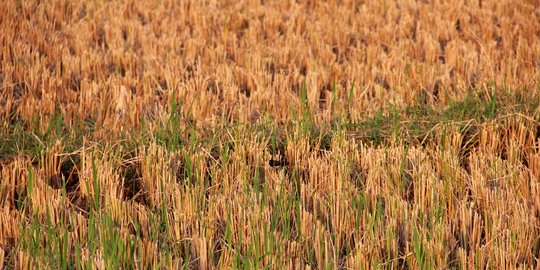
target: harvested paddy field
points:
(269, 134)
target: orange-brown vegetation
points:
(210, 136)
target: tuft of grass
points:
(416, 124)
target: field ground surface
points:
(225, 134)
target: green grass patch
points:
(414, 124)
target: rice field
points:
(222, 134)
